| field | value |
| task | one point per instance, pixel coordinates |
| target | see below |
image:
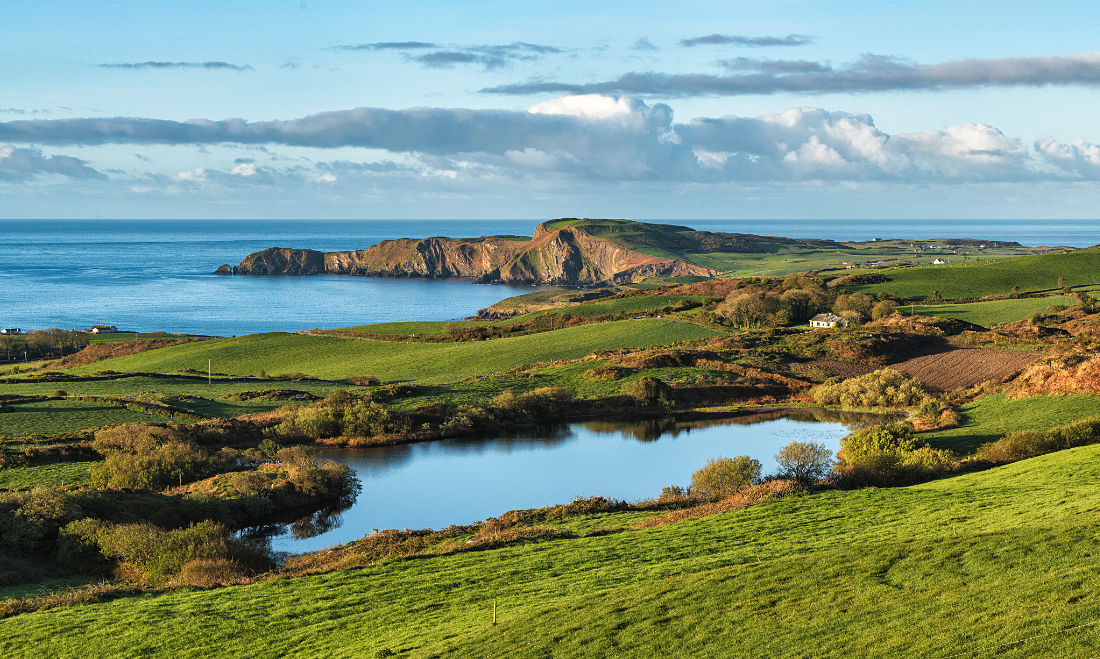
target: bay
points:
(149, 275)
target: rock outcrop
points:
(566, 256)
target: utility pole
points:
(209, 374)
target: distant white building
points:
(939, 261)
(103, 329)
(11, 330)
(827, 320)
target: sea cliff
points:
(563, 253)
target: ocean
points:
(154, 275)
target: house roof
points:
(103, 327)
(826, 318)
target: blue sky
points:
(533, 110)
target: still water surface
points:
(461, 481)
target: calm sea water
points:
(461, 481)
(154, 274)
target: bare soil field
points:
(965, 367)
(945, 369)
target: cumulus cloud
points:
(870, 73)
(752, 42)
(177, 65)
(20, 164)
(1079, 157)
(590, 137)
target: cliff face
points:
(566, 257)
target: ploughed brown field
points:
(949, 369)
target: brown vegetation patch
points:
(965, 367)
(1074, 373)
(774, 489)
(96, 352)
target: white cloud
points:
(244, 169)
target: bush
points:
(135, 438)
(174, 463)
(208, 572)
(649, 391)
(673, 493)
(364, 380)
(607, 372)
(725, 477)
(882, 388)
(894, 439)
(805, 462)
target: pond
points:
(461, 481)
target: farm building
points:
(939, 261)
(827, 320)
(103, 329)
(11, 330)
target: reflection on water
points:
(460, 481)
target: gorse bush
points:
(724, 477)
(882, 388)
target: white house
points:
(827, 320)
(11, 330)
(939, 261)
(103, 329)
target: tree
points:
(883, 309)
(748, 310)
(799, 305)
(854, 302)
(805, 462)
(725, 477)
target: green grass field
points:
(991, 417)
(993, 312)
(978, 279)
(975, 561)
(51, 417)
(127, 336)
(45, 475)
(333, 357)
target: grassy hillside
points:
(993, 312)
(58, 416)
(990, 417)
(45, 475)
(974, 561)
(331, 358)
(978, 279)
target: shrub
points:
(725, 477)
(673, 493)
(364, 380)
(208, 572)
(649, 391)
(134, 438)
(607, 372)
(893, 439)
(174, 463)
(805, 462)
(883, 309)
(882, 388)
